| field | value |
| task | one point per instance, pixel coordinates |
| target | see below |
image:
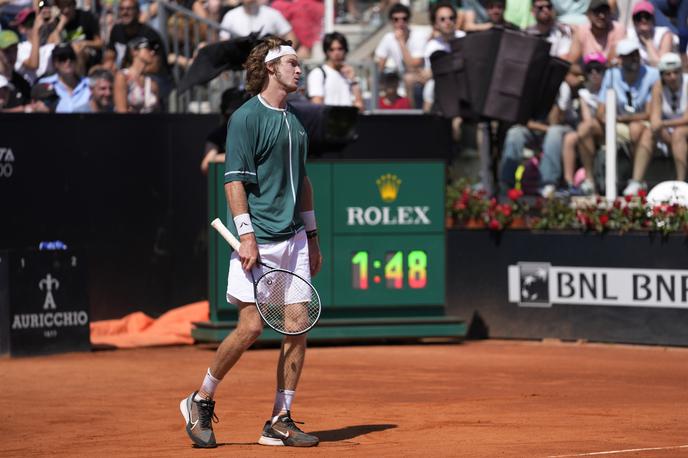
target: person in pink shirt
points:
(305, 17)
(600, 35)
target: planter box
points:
(630, 288)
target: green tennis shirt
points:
(266, 150)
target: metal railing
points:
(183, 32)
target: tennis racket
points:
(287, 302)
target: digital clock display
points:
(398, 270)
(389, 270)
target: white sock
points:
(209, 386)
(283, 400)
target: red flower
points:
(603, 219)
(505, 209)
(514, 194)
(628, 198)
(617, 203)
(494, 225)
(459, 205)
(642, 193)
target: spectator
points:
(653, 41)
(632, 84)
(600, 35)
(401, 52)
(519, 13)
(674, 14)
(69, 86)
(82, 30)
(43, 98)
(588, 135)
(572, 12)
(252, 17)
(135, 90)
(9, 9)
(550, 132)
(101, 83)
(495, 16)
(669, 112)
(306, 17)
(559, 35)
(126, 30)
(443, 19)
(216, 141)
(5, 91)
(390, 99)
(335, 82)
(33, 58)
(20, 90)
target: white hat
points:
(626, 47)
(669, 61)
(3, 82)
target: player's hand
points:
(248, 251)
(314, 256)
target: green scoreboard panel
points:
(381, 227)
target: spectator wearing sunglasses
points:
(33, 58)
(135, 90)
(401, 51)
(546, 26)
(601, 34)
(653, 41)
(632, 83)
(669, 115)
(586, 139)
(70, 87)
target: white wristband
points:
(308, 219)
(243, 224)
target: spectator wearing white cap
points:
(632, 83)
(653, 41)
(669, 114)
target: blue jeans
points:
(664, 9)
(550, 164)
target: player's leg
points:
(198, 408)
(679, 148)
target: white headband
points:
(279, 52)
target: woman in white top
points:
(334, 83)
(654, 41)
(668, 113)
(135, 91)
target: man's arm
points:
(306, 205)
(238, 205)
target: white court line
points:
(630, 450)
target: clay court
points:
(487, 398)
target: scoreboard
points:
(381, 228)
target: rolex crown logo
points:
(388, 185)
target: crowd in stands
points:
(68, 57)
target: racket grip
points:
(224, 232)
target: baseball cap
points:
(595, 4)
(594, 57)
(8, 38)
(643, 7)
(626, 47)
(669, 61)
(62, 50)
(23, 15)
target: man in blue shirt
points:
(632, 82)
(70, 87)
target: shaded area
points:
(349, 432)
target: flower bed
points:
(470, 208)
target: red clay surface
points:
(492, 398)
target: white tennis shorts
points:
(290, 254)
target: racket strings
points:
(287, 303)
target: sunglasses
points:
(643, 17)
(603, 11)
(543, 7)
(400, 18)
(64, 58)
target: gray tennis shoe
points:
(199, 416)
(285, 432)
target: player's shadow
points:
(349, 432)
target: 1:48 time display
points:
(399, 269)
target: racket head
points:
(287, 302)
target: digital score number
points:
(397, 270)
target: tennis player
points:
(271, 200)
